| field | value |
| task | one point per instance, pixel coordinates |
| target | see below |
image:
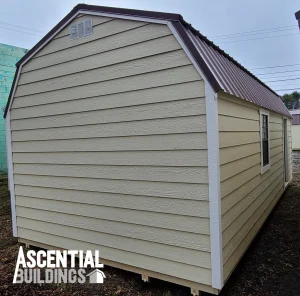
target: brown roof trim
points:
(131, 12)
(177, 21)
(112, 10)
(225, 54)
(188, 42)
(10, 93)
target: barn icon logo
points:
(96, 277)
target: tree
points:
(292, 100)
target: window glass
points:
(265, 139)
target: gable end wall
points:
(110, 151)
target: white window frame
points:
(268, 166)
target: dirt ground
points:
(271, 266)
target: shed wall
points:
(110, 150)
(247, 195)
(295, 132)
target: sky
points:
(243, 29)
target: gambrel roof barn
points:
(131, 133)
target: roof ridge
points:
(179, 23)
(216, 47)
(129, 11)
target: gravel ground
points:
(270, 267)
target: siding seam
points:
(41, 56)
(247, 180)
(112, 108)
(119, 221)
(104, 66)
(278, 188)
(96, 96)
(117, 78)
(197, 249)
(246, 196)
(123, 250)
(98, 53)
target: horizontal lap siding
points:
(149, 262)
(247, 196)
(110, 150)
(128, 37)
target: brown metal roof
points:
(235, 80)
(221, 70)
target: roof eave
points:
(200, 61)
(224, 53)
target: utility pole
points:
(297, 15)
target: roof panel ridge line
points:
(179, 24)
(187, 44)
(217, 48)
(205, 57)
(261, 85)
(130, 12)
(125, 16)
(228, 87)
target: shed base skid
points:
(195, 287)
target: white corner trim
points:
(264, 169)
(214, 187)
(11, 176)
(213, 171)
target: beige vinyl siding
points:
(110, 150)
(141, 33)
(247, 195)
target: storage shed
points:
(295, 129)
(131, 133)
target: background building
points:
(296, 129)
(9, 55)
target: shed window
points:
(265, 142)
